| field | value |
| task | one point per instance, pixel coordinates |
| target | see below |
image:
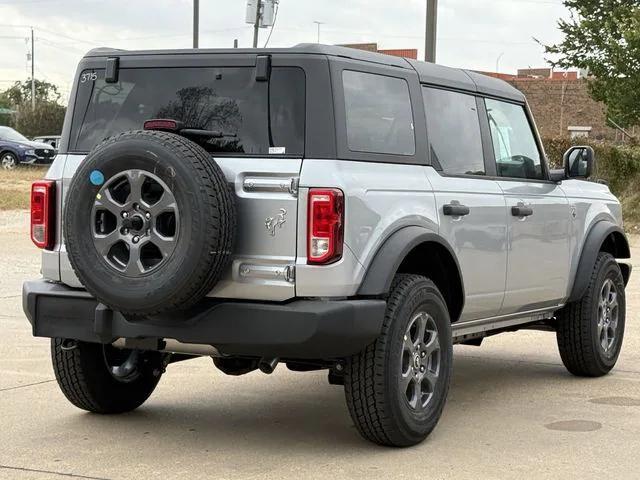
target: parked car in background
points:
(16, 149)
(52, 140)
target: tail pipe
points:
(268, 365)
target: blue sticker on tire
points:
(96, 177)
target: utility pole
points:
(33, 74)
(256, 25)
(431, 31)
(196, 22)
(318, 24)
(498, 62)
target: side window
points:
(454, 132)
(514, 145)
(379, 115)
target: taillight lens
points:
(42, 213)
(325, 225)
(161, 124)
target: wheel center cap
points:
(135, 223)
(416, 361)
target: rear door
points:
(470, 205)
(537, 210)
(262, 119)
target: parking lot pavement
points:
(513, 412)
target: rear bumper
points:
(304, 329)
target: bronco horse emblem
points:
(271, 223)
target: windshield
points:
(255, 118)
(10, 135)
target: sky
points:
(475, 34)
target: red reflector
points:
(43, 213)
(161, 124)
(325, 225)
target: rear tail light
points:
(43, 200)
(325, 225)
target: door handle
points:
(521, 211)
(455, 210)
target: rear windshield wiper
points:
(197, 132)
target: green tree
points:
(20, 92)
(603, 37)
(46, 119)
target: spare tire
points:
(149, 222)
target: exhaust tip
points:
(268, 365)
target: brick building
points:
(373, 47)
(561, 104)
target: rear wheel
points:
(397, 387)
(590, 331)
(103, 379)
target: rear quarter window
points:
(379, 114)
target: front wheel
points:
(590, 330)
(103, 379)
(9, 161)
(397, 387)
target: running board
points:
(475, 328)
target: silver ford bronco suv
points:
(317, 207)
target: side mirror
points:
(578, 162)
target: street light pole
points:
(498, 62)
(318, 24)
(256, 25)
(33, 73)
(196, 22)
(431, 31)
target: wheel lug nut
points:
(126, 231)
(423, 354)
(136, 239)
(422, 368)
(147, 215)
(125, 214)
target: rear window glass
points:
(379, 115)
(254, 118)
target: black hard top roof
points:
(430, 73)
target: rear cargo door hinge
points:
(272, 185)
(268, 272)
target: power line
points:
(51, 32)
(63, 47)
(273, 25)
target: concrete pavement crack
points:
(25, 386)
(50, 472)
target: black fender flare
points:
(593, 243)
(387, 260)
